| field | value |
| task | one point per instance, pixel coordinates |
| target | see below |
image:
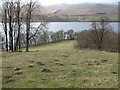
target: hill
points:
(60, 65)
(82, 9)
(81, 12)
(76, 12)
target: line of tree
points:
(45, 37)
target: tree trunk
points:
(28, 25)
(10, 34)
(5, 28)
(18, 43)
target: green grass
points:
(79, 69)
(0, 70)
(112, 17)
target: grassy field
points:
(112, 17)
(0, 70)
(60, 65)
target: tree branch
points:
(37, 30)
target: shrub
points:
(110, 42)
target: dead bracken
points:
(40, 63)
(17, 69)
(65, 55)
(73, 64)
(61, 64)
(57, 63)
(31, 65)
(8, 77)
(90, 64)
(114, 72)
(18, 72)
(44, 79)
(98, 63)
(10, 81)
(56, 60)
(46, 70)
(104, 60)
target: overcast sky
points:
(53, 2)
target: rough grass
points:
(60, 65)
(0, 70)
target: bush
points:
(110, 42)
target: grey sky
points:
(52, 2)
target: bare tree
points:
(1, 42)
(18, 19)
(31, 7)
(4, 22)
(44, 37)
(70, 34)
(99, 30)
(10, 8)
(28, 19)
(12, 12)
